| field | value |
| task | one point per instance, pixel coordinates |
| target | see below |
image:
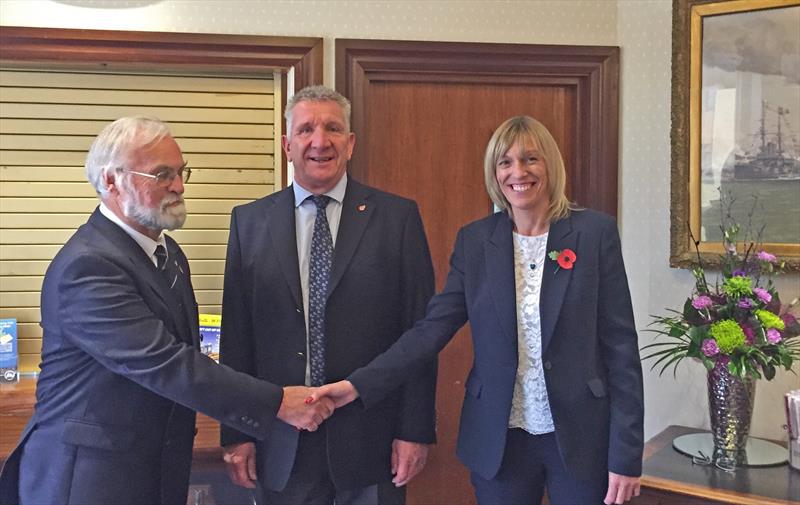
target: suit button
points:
(547, 365)
(299, 310)
(255, 424)
(301, 355)
(243, 419)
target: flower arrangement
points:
(738, 321)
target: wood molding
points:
(110, 50)
(121, 50)
(592, 70)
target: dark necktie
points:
(319, 270)
(168, 269)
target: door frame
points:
(593, 71)
(121, 50)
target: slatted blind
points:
(224, 125)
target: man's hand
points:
(340, 393)
(240, 460)
(408, 459)
(301, 414)
(621, 488)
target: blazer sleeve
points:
(417, 421)
(103, 313)
(446, 313)
(620, 354)
(236, 340)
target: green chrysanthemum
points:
(770, 320)
(728, 334)
(737, 287)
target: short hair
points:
(115, 143)
(316, 94)
(529, 132)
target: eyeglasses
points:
(165, 177)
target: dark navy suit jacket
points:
(589, 346)
(121, 376)
(381, 281)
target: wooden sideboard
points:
(209, 484)
(16, 407)
(670, 478)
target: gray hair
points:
(316, 94)
(113, 146)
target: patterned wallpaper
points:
(642, 28)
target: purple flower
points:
(749, 336)
(739, 273)
(765, 256)
(745, 303)
(709, 347)
(773, 336)
(702, 302)
(763, 295)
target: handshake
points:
(306, 408)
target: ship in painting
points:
(773, 158)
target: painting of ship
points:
(764, 181)
(774, 155)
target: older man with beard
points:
(121, 372)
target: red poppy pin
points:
(565, 258)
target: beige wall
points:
(640, 27)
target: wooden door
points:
(423, 113)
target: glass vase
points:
(730, 404)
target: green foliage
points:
(729, 322)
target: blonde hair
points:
(528, 131)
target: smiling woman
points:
(529, 393)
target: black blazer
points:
(381, 281)
(589, 346)
(121, 376)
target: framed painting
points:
(735, 126)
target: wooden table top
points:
(16, 407)
(667, 470)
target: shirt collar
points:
(336, 193)
(145, 242)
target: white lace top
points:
(530, 408)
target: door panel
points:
(422, 123)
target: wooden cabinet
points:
(670, 478)
(209, 481)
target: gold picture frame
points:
(692, 172)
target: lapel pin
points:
(362, 207)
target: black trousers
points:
(532, 463)
(310, 482)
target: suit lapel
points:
(554, 279)
(183, 294)
(499, 257)
(128, 247)
(282, 230)
(356, 213)
(142, 264)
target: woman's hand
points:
(621, 488)
(341, 393)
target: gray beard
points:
(161, 218)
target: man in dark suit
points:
(121, 372)
(374, 284)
